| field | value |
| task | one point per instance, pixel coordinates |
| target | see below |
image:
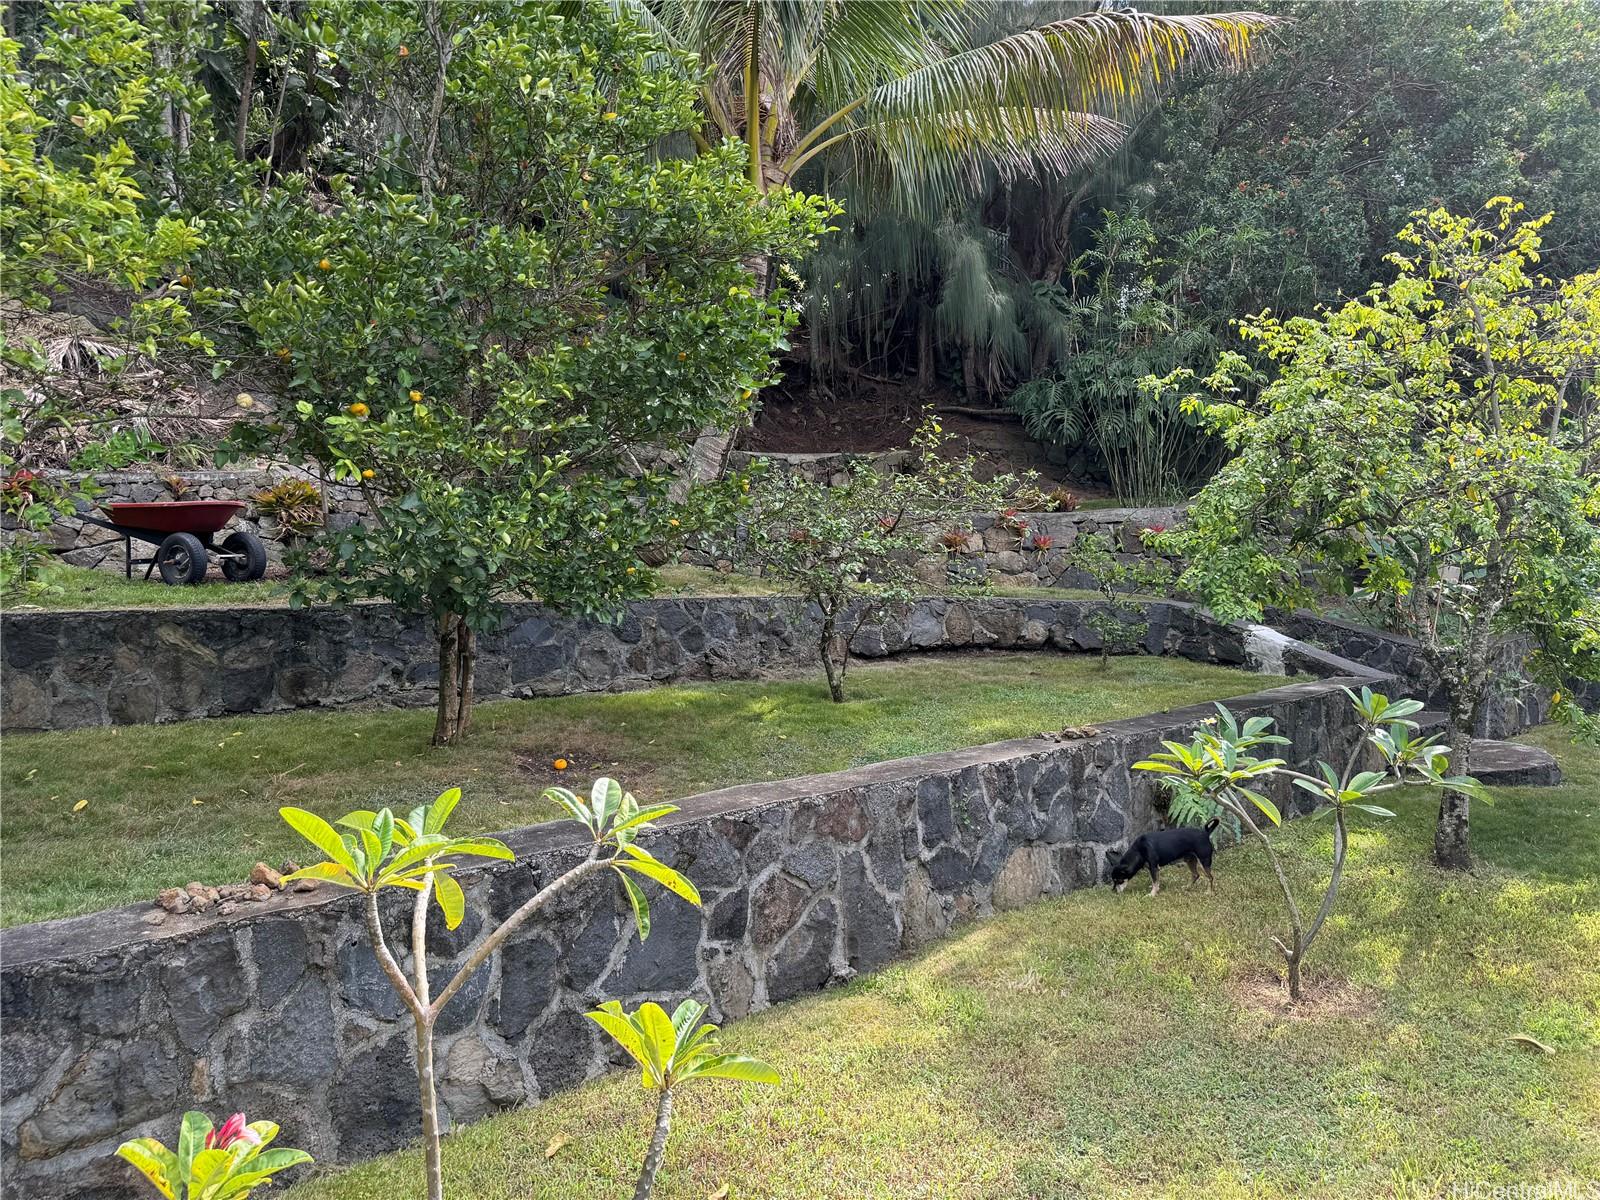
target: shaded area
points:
(1091, 1046)
(198, 800)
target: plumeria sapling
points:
(1220, 773)
(379, 850)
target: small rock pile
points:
(263, 884)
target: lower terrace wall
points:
(114, 1025)
(68, 670)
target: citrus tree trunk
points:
(835, 653)
(458, 651)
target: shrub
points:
(225, 1163)
(852, 549)
(1061, 500)
(1119, 625)
(295, 503)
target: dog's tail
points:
(1213, 823)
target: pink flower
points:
(233, 1130)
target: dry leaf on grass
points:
(560, 1140)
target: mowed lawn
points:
(163, 805)
(1104, 1045)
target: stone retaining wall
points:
(114, 1025)
(67, 670)
(1514, 702)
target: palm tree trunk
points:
(658, 1146)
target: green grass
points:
(199, 800)
(1097, 1045)
(79, 588)
(68, 587)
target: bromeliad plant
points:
(226, 1163)
(1219, 773)
(671, 1051)
(379, 850)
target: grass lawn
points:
(79, 588)
(199, 800)
(71, 587)
(1104, 1045)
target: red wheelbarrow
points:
(181, 531)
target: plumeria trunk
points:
(458, 650)
(658, 1146)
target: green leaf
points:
(610, 1018)
(326, 871)
(191, 1141)
(1265, 805)
(640, 903)
(481, 847)
(439, 811)
(735, 1066)
(1376, 810)
(452, 901)
(644, 816)
(665, 876)
(321, 835)
(154, 1161)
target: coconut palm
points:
(927, 98)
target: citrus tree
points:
(1432, 447)
(507, 363)
(79, 150)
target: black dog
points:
(1162, 848)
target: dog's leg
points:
(1155, 879)
(1194, 870)
(1211, 879)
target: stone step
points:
(1512, 764)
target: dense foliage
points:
(1276, 187)
(511, 365)
(1430, 446)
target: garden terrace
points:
(1144, 1051)
(200, 798)
(130, 1016)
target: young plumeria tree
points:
(225, 1163)
(851, 549)
(671, 1051)
(1115, 578)
(1218, 773)
(380, 850)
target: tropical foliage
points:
(1429, 448)
(1219, 772)
(379, 851)
(672, 1051)
(212, 1163)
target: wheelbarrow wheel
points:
(181, 559)
(244, 557)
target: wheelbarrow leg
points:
(127, 557)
